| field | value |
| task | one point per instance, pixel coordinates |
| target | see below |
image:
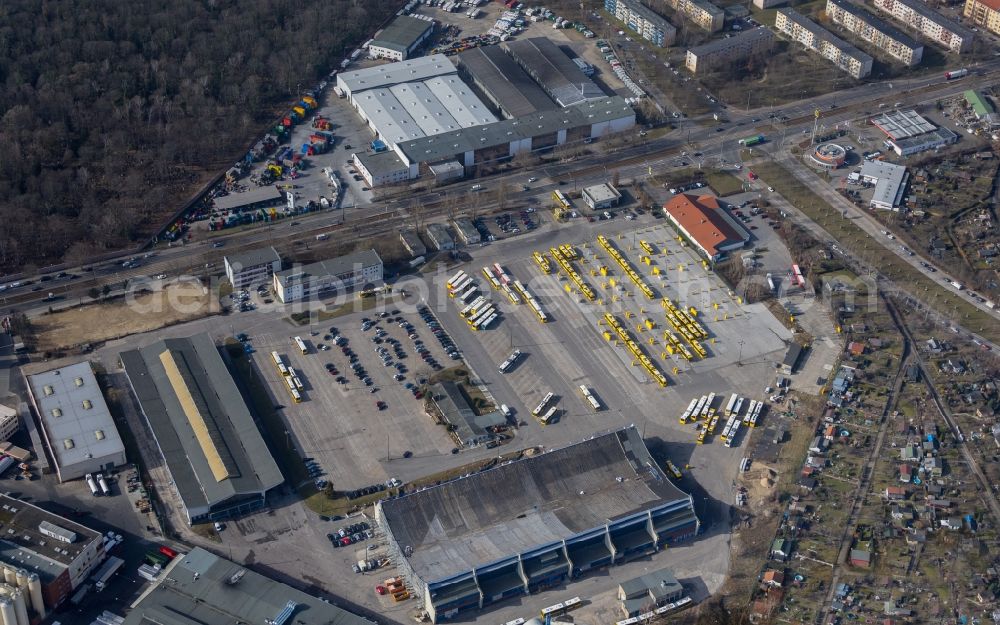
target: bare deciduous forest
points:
(114, 113)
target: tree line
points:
(113, 113)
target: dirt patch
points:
(95, 323)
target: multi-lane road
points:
(716, 143)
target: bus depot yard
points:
(366, 443)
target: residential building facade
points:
(724, 51)
(642, 21)
(701, 12)
(929, 23)
(875, 31)
(983, 13)
(800, 28)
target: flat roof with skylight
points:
(76, 423)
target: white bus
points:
(589, 396)
(708, 405)
(469, 308)
(301, 345)
(506, 365)
(731, 404)
(481, 316)
(485, 324)
(542, 404)
(469, 294)
(452, 281)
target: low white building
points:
(601, 196)
(76, 423)
(328, 277)
(400, 39)
(466, 230)
(890, 183)
(9, 422)
(252, 267)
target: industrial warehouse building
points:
(908, 132)
(43, 557)
(261, 197)
(848, 58)
(929, 23)
(199, 587)
(498, 76)
(890, 183)
(555, 72)
(211, 447)
(643, 21)
(252, 267)
(875, 31)
(75, 421)
(433, 124)
(706, 57)
(400, 39)
(328, 277)
(523, 526)
(704, 222)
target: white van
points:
(505, 410)
(477, 187)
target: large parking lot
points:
(362, 402)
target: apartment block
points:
(722, 51)
(929, 23)
(701, 12)
(984, 13)
(816, 38)
(875, 31)
(642, 21)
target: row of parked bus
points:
(543, 262)
(543, 412)
(503, 282)
(637, 351)
(293, 384)
(680, 604)
(561, 608)
(564, 255)
(625, 265)
(687, 325)
(702, 410)
(477, 310)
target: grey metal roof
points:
(402, 33)
(380, 163)
(456, 409)
(877, 23)
(722, 44)
(234, 433)
(419, 68)
(602, 192)
(253, 258)
(254, 196)
(503, 80)
(199, 588)
(459, 100)
(891, 179)
(331, 267)
(658, 584)
(557, 74)
(447, 145)
(537, 500)
(824, 35)
(74, 414)
(929, 14)
(903, 124)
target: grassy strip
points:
(724, 183)
(860, 244)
